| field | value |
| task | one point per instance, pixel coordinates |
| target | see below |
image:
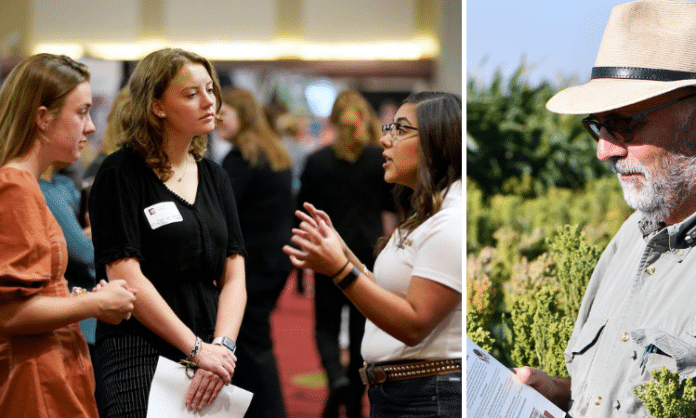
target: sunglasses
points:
(620, 128)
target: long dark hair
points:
(439, 118)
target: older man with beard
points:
(638, 313)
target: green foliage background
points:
(540, 209)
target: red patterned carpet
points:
(304, 383)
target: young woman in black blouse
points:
(164, 219)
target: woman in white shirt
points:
(413, 336)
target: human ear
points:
(43, 118)
(157, 109)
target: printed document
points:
(493, 390)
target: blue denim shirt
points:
(638, 315)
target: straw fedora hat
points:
(648, 49)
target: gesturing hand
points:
(321, 247)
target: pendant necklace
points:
(185, 167)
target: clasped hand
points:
(320, 247)
(215, 369)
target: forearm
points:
(154, 312)
(408, 319)
(150, 308)
(41, 314)
(232, 299)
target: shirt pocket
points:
(663, 349)
(587, 338)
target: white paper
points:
(168, 392)
(493, 390)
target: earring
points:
(161, 115)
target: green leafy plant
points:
(515, 145)
(667, 396)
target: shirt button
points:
(598, 400)
(624, 336)
(650, 270)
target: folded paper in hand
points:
(168, 392)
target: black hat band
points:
(638, 73)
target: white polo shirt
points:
(432, 251)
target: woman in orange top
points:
(45, 369)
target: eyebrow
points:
(403, 119)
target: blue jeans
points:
(427, 397)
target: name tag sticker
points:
(161, 214)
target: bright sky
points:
(558, 37)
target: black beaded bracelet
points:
(339, 271)
(350, 278)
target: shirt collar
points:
(454, 195)
(682, 234)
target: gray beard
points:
(665, 188)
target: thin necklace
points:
(185, 167)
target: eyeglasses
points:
(620, 127)
(399, 128)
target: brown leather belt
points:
(373, 374)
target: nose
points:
(386, 140)
(609, 148)
(209, 100)
(89, 127)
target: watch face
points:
(229, 344)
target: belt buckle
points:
(363, 376)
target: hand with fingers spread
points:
(203, 390)
(318, 215)
(321, 248)
(218, 360)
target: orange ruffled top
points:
(48, 375)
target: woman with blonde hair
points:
(259, 169)
(45, 368)
(345, 180)
(164, 219)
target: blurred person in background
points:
(259, 170)
(44, 360)
(63, 200)
(413, 301)
(164, 219)
(111, 141)
(345, 179)
(292, 129)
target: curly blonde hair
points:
(142, 130)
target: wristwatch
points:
(225, 342)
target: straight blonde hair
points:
(255, 138)
(40, 80)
